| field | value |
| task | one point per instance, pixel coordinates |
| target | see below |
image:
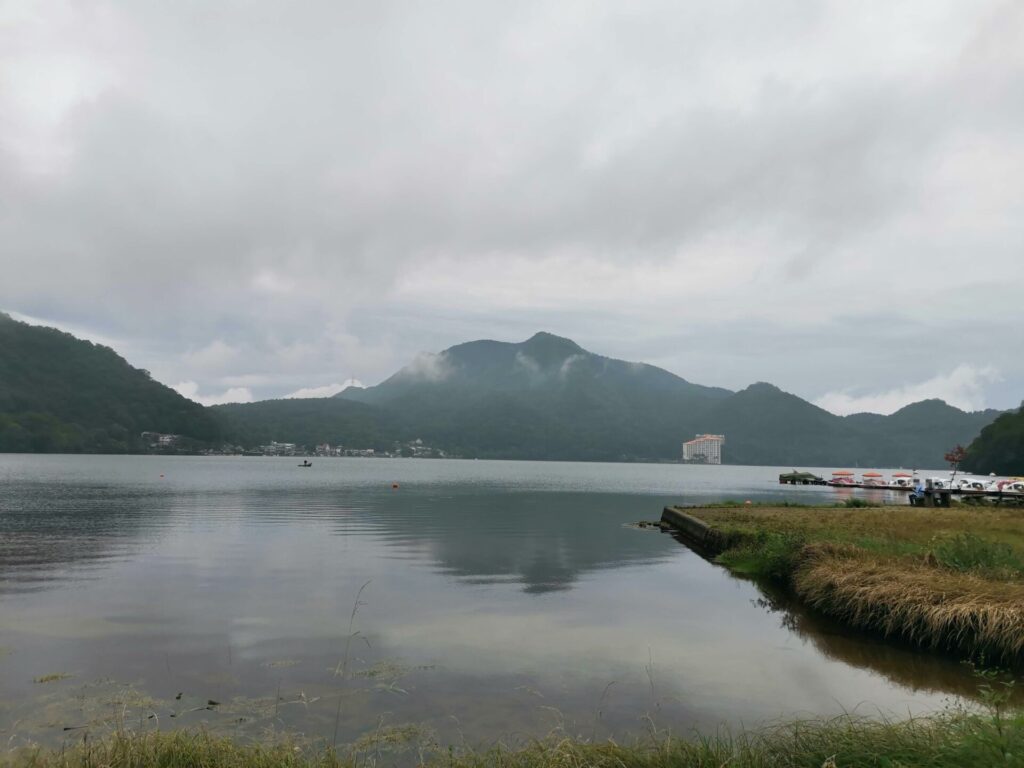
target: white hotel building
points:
(704, 449)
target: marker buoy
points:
(394, 486)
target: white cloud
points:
(526, 362)
(429, 366)
(328, 390)
(190, 390)
(963, 387)
(215, 356)
(568, 364)
(705, 186)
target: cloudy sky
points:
(252, 199)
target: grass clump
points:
(954, 738)
(855, 502)
(52, 678)
(766, 555)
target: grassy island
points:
(944, 578)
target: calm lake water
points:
(500, 600)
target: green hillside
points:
(61, 394)
(306, 422)
(1000, 446)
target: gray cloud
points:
(275, 198)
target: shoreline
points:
(951, 738)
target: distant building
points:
(278, 449)
(703, 449)
(160, 439)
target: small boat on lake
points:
(306, 464)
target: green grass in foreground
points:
(952, 739)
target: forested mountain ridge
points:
(547, 397)
(61, 394)
(544, 398)
(1000, 446)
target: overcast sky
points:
(250, 199)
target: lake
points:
(496, 600)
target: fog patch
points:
(328, 390)
(428, 366)
(567, 365)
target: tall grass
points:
(968, 552)
(926, 606)
(954, 738)
(948, 579)
(765, 555)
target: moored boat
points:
(842, 478)
(903, 481)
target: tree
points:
(954, 458)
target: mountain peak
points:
(547, 349)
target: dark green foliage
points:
(306, 422)
(59, 394)
(1000, 446)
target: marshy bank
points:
(948, 579)
(954, 738)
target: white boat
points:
(1006, 485)
(902, 481)
(971, 484)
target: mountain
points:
(912, 434)
(62, 394)
(1000, 446)
(764, 425)
(544, 398)
(549, 398)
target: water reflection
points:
(47, 531)
(917, 670)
